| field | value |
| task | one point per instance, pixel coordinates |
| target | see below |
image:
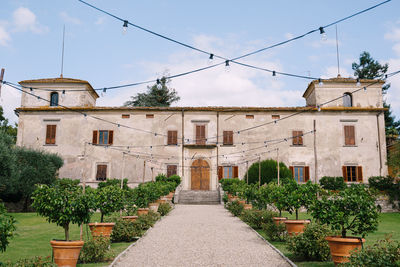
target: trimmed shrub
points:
(31, 262)
(124, 230)
(256, 218)
(274, 232)
(384, 253)
(146, 221)
(225, 198)
(388, 185)
(114, 182)
(269, 172)
(332, 183)
(235, 208)
(95, 250)
(311, 245)
(164, 209)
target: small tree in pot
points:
(279, 199)
(351, 210)
(108, 199)
(141, 198)
(63, 203)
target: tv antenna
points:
(62, 54)
(337, 53)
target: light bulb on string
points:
(320, 83)
(63, 94)
(103, 92)
(31, 89)
(319, 108)
(365, 88)
(125, 27)
(323, 34)
(227, 66)
(358, 82)
(159, 85)
(211, 59)
(273, 73)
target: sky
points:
(96, 49)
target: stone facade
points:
(145, 139)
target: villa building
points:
(338, 132)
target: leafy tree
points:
(7, 228)
(108, 199)
(158, 95)
(269, 172)
(368, 68)
(8, 167)
(10, 130)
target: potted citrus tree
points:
(277, 196)
(297, 196)
(108, 199)
(249, 194)
(141, 198)
(64, 203)
(351, 210)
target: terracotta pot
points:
(154, 206)
(66, 253)
(295, 227)
(142, 211)
(129, 218)
(234, 198)
(248, 206)
(161, 201)
(341, 247)
(242, 201)
(279, 220)
(101, 229)
(171, 195)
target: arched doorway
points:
(200, 175)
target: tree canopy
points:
(158, 95)
(9, 129)
(269, 172)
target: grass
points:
(388, 225)
(33, 237)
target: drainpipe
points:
(183, 141)
(315, 154)
(379, 143)
(217, 147)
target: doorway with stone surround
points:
(200, 175)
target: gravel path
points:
(201, 235)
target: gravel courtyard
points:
(201, 235)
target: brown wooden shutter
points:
(101, 172)
(230, 137)
(359, 174)
(94, 140)
(169, 142)
(235, 172)
(294, 133)
(110, 137)
(48, 134)
(349, 135)
(225, 137)
(171, 170)
(198, 131)
(344, 173)
(172, 137)
(220, 172)
(306, 173)
(300, 138)
(51, 134)
(292, 170)
(200, 134)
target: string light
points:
(159, 86)
(319, 108)
(273, 73)
(323, 34)
(320, 83)
(211, 59)
(104, 92)
(227, 66)
(358, 82)
(365, 88)
(125, 27)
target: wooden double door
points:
(200, 175)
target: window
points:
(103, 137)
(249, 116)
(51, 134)
(171, 170)
(297, 138)
(352, 173)
(347, 100)
(349, 135)
(276, 117)
(301, 174)
(228, 138)
(200, 134)
(172, 137)
(126, 116)
(228, 172)
(101, 174)
(54, 99)
(149, 116)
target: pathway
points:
(201, 235)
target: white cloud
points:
(332, 72)
(68, 19)
(4, 36)
(25, 20)
(10, 100)
(394, 35)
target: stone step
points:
(199, 197)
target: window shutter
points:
(359, 174)
(294, 134)
(349, 135)
(94, 140)
(306, 173)
(225, 137)
(48, 129)
(198, 134)
(169, 142)
(174, 137)
(292, 170)
(300, 137)
(344, 173)
(110, 137)
(235, 172)
(352, 136)
(220, 172)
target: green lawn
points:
(33, 237)
(388, 225)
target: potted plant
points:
(108, 199)
(249, 194)
(297, 196)
(63, 203)
(155, 191)
(129, 206)
(277, 196)
(141, 198)
(351, 210)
